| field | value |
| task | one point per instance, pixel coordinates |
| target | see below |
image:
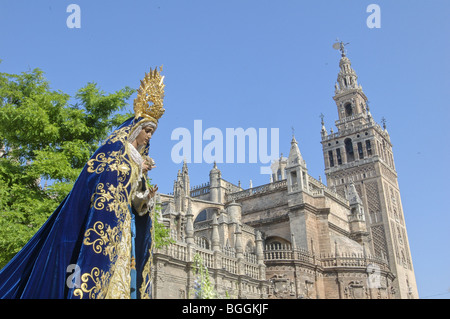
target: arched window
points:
(360, 150)
(203, 242)
(368, 148)
(201, 216)
(349, 150)
(330, 158)
(348, 109)
(293, 178)
(338, 156)
(250, 248)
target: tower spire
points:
(359, 161)
(295, 156)
(349, 95)
(347, 78)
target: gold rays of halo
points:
(150, 95)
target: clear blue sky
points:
(266, 64)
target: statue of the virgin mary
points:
(98, 242)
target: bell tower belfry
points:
(359, 157)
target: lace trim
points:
(136, 156)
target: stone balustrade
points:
(287, 253)
(225, 258)
(257, 190)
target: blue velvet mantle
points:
(75, 252)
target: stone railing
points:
(251, 270)
(177, 251)
(206, 255)
(230, 187)
(349, 118)
(287, 253)
(317, 188)
(204, 224)
(315, 183)
(251, 258)
(200, 190)
(230, 264)
(351, 130)
(225, 259)
(228, 251)
(257, 190)
(353, 260)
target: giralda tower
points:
(360, 152)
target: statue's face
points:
(144, 136)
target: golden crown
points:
(150, 90)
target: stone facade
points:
(201, 223)
(296, 237)
(360, 154)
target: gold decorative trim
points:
(99, 280)
(113, 242)
(150, 90)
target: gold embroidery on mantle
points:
(114, 242)
(119, 286)
(102, 159)
(119, 135)
(108, 239)
(115, 160)
(114, 197)
(99, 280)
(147, 274)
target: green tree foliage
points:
(161, 233)
(203, 287)
(45, 136)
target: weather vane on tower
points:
(339, 45)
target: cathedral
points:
(297, 237)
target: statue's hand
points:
(153, 190)
(147, 167)
(148, 164)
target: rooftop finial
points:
(383, 121)
(339, 45)
(323, 131)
